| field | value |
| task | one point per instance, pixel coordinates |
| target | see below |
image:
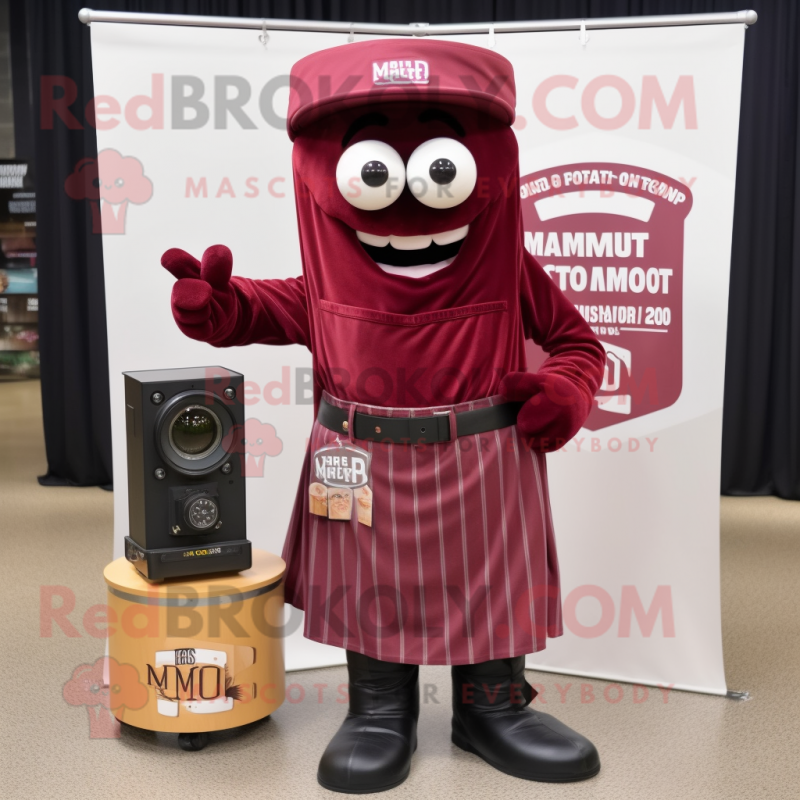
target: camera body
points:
(186, 488)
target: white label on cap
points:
(388, 72)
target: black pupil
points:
(194, 431)
(442, 171)
(374, 173)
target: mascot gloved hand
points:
(210, 305)
(553, 408)
(203, 295)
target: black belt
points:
(417, 430)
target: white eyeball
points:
(370, 175)
(441, 173)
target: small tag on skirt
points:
(340, 481)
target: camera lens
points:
(195, 432)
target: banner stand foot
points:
(741, 696)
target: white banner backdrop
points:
(628, 156)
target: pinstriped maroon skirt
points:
(460, 564)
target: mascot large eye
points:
(370, 175)
(441, 173)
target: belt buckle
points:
(444, 416)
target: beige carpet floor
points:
(693, 746)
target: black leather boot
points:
(490, 719)
(372, 750)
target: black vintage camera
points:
(186, 491)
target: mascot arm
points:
(558, 398)
(211, 306)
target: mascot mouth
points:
(413, 256)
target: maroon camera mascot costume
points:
(421, 532)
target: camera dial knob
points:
(201, 513)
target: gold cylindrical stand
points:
(196, 655)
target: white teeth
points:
(448, 237)
(413, 242)
(419, 271)
(372, 239)
(410, 242)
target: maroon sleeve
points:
(554, 323)
(262, 312)
(558, 398)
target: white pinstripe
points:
(505, 544)
(525, 535)
(441, 556)
(463, 546)
(328, 536)
(419, 555)
(311, 565)
(375, 579)
(344, 582)
(357, 539)
(294, 531)
(486, 577)
(396, 559)
(545, 509)
(545, 502)
(357, 531)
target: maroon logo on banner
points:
(123, 182)
(611, 237)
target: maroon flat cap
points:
(400, 70)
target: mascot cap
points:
(399, 70)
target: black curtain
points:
(47, 40)
(761, 432)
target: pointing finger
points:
(217, 265)
(180, 263)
